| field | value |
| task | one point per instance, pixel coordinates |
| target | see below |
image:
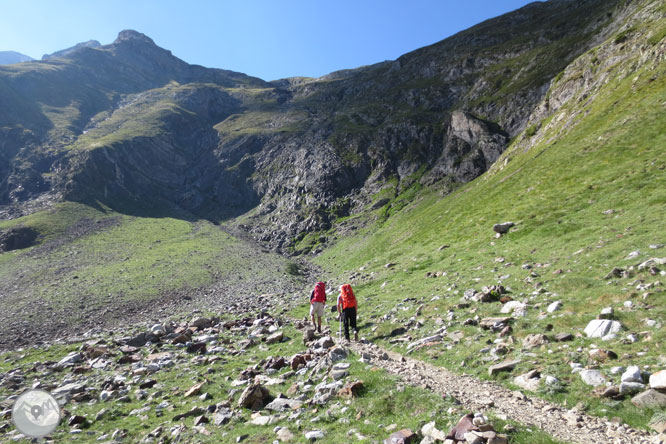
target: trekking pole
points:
(340, 328)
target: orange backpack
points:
(347, 297)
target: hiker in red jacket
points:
(347, 307)
(317, 301)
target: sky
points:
(269, 39)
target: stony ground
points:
(569, 425)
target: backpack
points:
(347, 297)
(319, 292)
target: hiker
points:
(347, 307)
(317, 301)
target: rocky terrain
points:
(314, 393)
(496, 200)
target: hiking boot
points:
(356, 336)
(319, 329)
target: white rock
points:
(315, 434)
(527, 381)
(628, 304)
(633, 374)
(607, 313)
(633, 254)
(609, 337)
(158, 329)
(551, 380)
(592, 377)
(632, 338)
(629, 388)
(70, 359)
(617, 370)
(598, 328)
(658, 380)
(511, 306)
(557, 305)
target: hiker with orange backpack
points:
(347, 307)
(317, 301)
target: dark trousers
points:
(349, 317)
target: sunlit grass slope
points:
(92, 257)
(583, 198)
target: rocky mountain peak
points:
(129, 35)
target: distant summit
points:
(130, 35)
(73, 49)
(11, 57)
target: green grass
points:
(557, 193)
(129, 258)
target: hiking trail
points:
(477, 395)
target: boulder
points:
(503, 367)
(337, 354)
(602, 355)
(404, 436)
(197, 347)
(607, 313)
(194, 390)
(649, 399)
(503, 228)
(534, 340)
(70, 360)
(614, 273)
(222, 416)
(563, 337)
(283, 405)
(554, 306)
(598, 328)
(465, 425)
(631, 388)
(658, 380)
(512, 306)
(325, 342)
(275, 338)
(68, 389)
(632, 374)
(528, 381)
(429, 430)
(285, 435)
(592, 377)
(254, 397)
(308, 335)
(495, 324)
(351, 390)
(314, 435)
(201, 323)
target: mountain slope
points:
(300, 153)
(586, 188)
(11, 57)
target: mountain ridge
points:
(290, 149)
(12, 57)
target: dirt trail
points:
(477, 395)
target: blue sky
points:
(269, 39)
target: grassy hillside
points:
(92, 262)
(588, 190)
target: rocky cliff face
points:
(128, 123)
